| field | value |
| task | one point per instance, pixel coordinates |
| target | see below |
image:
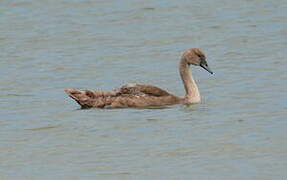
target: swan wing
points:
(139, 89)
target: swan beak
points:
(205, 66)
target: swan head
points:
(196, 57)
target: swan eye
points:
(201, 56)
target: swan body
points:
(144, 96)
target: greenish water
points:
(237, 132)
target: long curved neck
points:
(191, 89)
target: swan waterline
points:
(145, 96)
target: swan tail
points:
(89, 99)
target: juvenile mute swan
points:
(144, 96)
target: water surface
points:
(237, 132)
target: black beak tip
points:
(206, 68)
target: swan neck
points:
(191, 89)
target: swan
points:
(145, 96)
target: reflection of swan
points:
(144, 96)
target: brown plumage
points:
(145, 96)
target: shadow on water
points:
(140, 108)
(16, 95)
(41, 128)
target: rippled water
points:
(237, 132)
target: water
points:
(237, 132)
